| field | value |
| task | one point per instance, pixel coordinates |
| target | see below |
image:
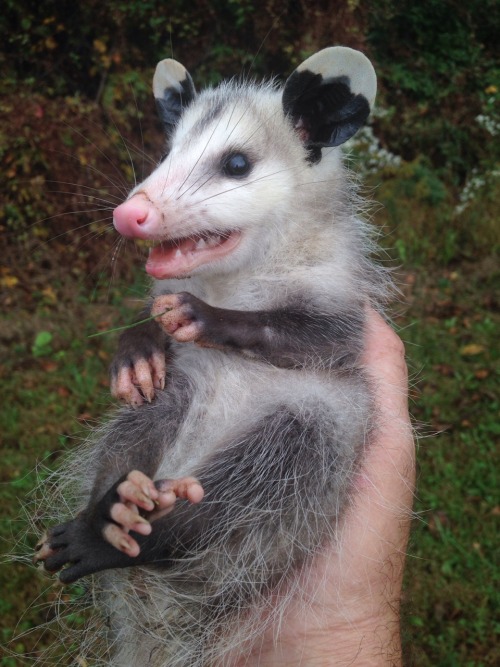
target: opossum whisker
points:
(197, 161)
(210, 177)
(167, 175)
(127, 142)
(230, 118)
(243, 185)
(141, 152)
(245, 111)
(125, 145)
(101, 152)
(114, 198)
(122, 188)
(88, 198)
(73, 229)
(263, 42)
(113, 261)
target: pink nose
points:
(137, 219)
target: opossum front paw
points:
(139, 367)
(181, 315)
(137, 492)
(135, 380)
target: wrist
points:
(370, 637)
(373, 642)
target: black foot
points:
(76, 550)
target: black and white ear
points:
(329, 97)
(173, 89)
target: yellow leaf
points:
(49, 294)
(9, 281)
(471, 350)
(100, 46)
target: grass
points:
(452, 576)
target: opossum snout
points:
(137, 218)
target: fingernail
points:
(124, 545)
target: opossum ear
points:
(329, 97)
(173, 89)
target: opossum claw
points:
(42, 549)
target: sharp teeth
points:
(178, 253)
(201, 244)
(214, 240)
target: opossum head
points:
(238, 156)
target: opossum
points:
(202, 505)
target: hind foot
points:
(155, 499)
(100, 539)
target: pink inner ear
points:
(301, 129)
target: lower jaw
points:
(184, 264)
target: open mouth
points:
(179, 257)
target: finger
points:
(384, 358)
(121, 540)
(158, 365)
(187, 488)
(144, 378)
(123, 388)
(186, 333)
(130, 519)
(139, 490)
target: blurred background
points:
(78, 126)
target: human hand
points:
(349, 613)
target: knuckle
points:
(137, 477)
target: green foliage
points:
(436, 60)
(452, 578)
(423, 223)
(42, 345)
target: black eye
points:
(236, 165)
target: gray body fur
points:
(273, 437)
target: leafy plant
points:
(42, 345)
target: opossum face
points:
(227, 188)
(220, 184)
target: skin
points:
(355, 589)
